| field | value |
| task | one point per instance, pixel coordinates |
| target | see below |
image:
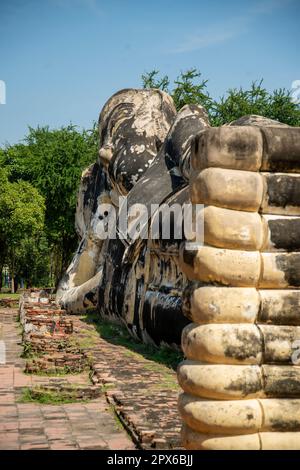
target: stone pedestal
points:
(241, 376)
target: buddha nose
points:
(105, 154)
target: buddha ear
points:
(105, 154)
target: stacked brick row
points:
(8, 303)
(240, 379)
(41, 318)
(47, 331)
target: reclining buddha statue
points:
(231, 297)
(143, 159)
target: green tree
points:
(52, 161)
(22, 211)
(33, 260)
(3, 237)
(150, 80)
(189, 88)
(277, 105)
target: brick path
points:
(142, 392)
(88, 425)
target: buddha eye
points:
(105, 214)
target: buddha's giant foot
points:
(241, 376)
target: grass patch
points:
(27, 351)
(107, 387)
(56, 372)
(117, 421)
(31, 395)
(117, 334)
(7, 295)
(168, 381)
(86, 341)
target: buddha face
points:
(133, 125)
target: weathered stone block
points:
(220, 417)
(248, 148)
(193, 440)
(238, 148)
(232, 344)
(221, 382)
(231, 189)
(216, 265)
(210, 304)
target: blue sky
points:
(62, 59)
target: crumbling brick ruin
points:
(240, 289)
(47, 336)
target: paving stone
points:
(30, 426)
(138, 394)
(134, 389)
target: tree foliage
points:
(22, 211)
(52, 161)
(56, 159)
(276, 105)
(150, 80)
(190, 88)
(33, 260)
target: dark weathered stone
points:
(285, 233)
(281, 381)
(258, 121)
(278, 343)
(280, 307)
(283, 190)
(281, 149)
(289, 264)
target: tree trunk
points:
(12, 284)
(12, 274)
